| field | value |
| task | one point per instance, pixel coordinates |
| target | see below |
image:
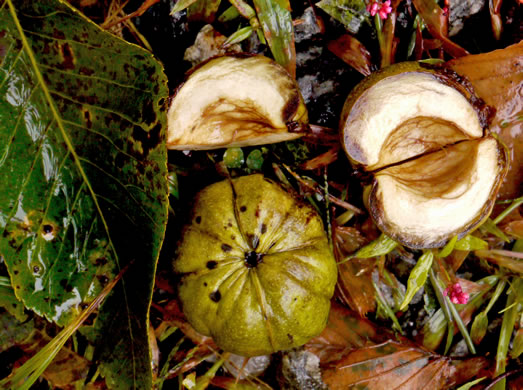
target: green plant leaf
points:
(82, 174)
(512, 310)
(470, 243)
(276, 21)
(239, 36)
(381, 246)
(9, 302)
(447, 249)
(417, 278)
(181, 5)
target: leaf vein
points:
(125, 186)
(108, 81)
(104, 136)
(65, 97)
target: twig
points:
(332, 198)
(139, 12)
(501, 377)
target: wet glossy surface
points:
(82, 188)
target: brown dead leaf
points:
(390, 42)
(345, 331)
(352, 52)
(495, 18)
(462, 371)
(400, 366)
(356, 354)
(322, 160)
(174, 315)
(514, 229)
(203, 11)
(497, 78)
(355, 285)
(508, 259)
(456, 258)
(347, 240)
(390, 365)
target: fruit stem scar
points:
(252, 259)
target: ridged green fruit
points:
(257, 269)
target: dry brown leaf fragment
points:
(497, 78)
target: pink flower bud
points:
(456, 294)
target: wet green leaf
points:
(181, 5)
(255, 160)
(513, 308)
(447, 249)
(238, 36)
(276, 21)
(10, 302)
(25, 376)
(490, 227)
(417, 278)
(82, 173)
(479, 328)
(470, 243)
(172, 179)
(229, 14)
(233, 158)
(480, 324)
(517, 345)
(350, 13)
(381, 246)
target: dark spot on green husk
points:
(215, 296)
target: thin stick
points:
(332, 198)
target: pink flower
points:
(382, 9)
(456, 294)
(373, 8)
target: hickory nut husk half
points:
(421, 133)
(235, 101)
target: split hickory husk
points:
(422, 134)
(235, 101)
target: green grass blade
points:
(514, 303)
(25, 376)
(276, 21)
